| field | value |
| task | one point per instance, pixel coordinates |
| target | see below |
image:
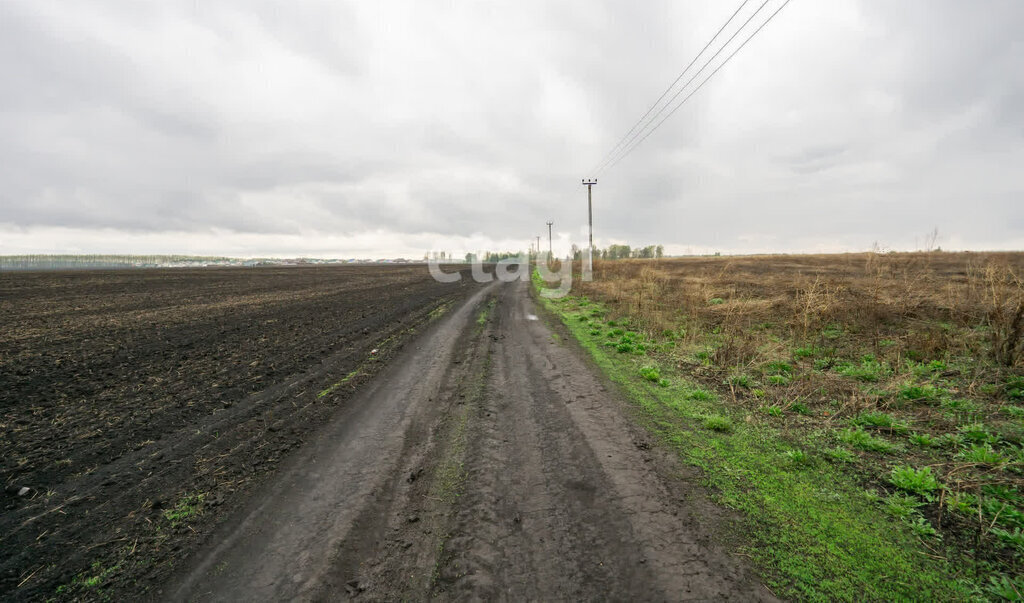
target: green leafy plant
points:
(983, 454)
(778, 379)
(1015, 387)
(960, 407)
(798, 457)
(1014, 538)
(919, 393)
(858, 438)
(978, 433)
(1016, 454)
(923, 440)
(778, 367)
(1003, 492)
(923, 528)
(902, 505)
(715, 301)
(1002, 512)
(881, 420)
(774, 411)
(804, 352)
(699, 394)
(841, 455)
(869, 370)
(800, 408)
(740, 380)
(950, 440)
(918, 481)
(926, 369)
(1006, 588)
(962, 502)
(650, 373)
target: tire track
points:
(561, 497)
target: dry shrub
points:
(1004, 299)
(814, 307)
(740, 344)
(929, 341)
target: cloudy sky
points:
(356, 129)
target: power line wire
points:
(608, 157)
(701, 85)
(625, 150)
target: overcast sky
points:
(357, 129)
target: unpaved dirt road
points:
(488, 461)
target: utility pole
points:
(550, 255)
(590, 224)
(538, 247)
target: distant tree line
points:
(487, 257)
(73, 262)
(622, 252)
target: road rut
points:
(489, 461)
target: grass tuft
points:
(718, 423)
(858, 438)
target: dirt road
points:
(488, 461)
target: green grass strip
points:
(338, 384)
(810, 529)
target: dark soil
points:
(137, 407)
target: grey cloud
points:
(842, 121)
(815, 159)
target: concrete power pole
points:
(590, 224)
(550, 255)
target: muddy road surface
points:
(487, 461)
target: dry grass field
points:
(829, 397)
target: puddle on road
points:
(531, 317)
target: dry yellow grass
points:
(912, 299)
(920, 355)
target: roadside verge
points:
(810, 530)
